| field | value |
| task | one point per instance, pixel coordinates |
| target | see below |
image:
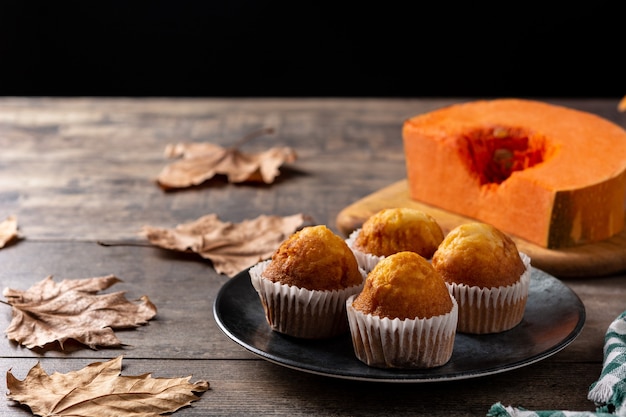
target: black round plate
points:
(554, 317)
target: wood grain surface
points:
(80, 172)
(601, 258)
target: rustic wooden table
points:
(79, 171)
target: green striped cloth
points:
(607, 392)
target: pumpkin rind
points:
(568, 186)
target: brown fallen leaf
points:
(8, 230)
(202, 161)
(49, 312)
(100, 390)
(622, 104)
(232, 247)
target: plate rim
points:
(402, 376)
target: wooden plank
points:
(68, 166)
(596, 259)
(262, 388)
(183, 287)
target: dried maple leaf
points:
(100, 390)
(8, 230)
(49, 312)
(202, 161)
(232, 247)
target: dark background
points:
(246, 48)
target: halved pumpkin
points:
(548, 174)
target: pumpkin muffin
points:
(486, 274)
(405, 316)
(304, 286)
(395, 230)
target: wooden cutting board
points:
(593, 260)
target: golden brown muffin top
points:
(478, 254)
(314, 258)
(399, 229)
(406, 286)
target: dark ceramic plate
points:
(554, 317)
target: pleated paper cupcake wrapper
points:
(367, 261)
(300, 312)
(492, 310)
(410, 343)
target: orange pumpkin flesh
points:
(551, 175)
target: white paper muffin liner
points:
(299, 312)
(492, 310)
(367, 261)
(409, 343)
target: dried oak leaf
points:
(200, 162)
(8, 230)
(232, 247)
(100, 390)
(51, 312)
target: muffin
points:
(405, 316)
(395, 230)
(487, 275)
(304, 286)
